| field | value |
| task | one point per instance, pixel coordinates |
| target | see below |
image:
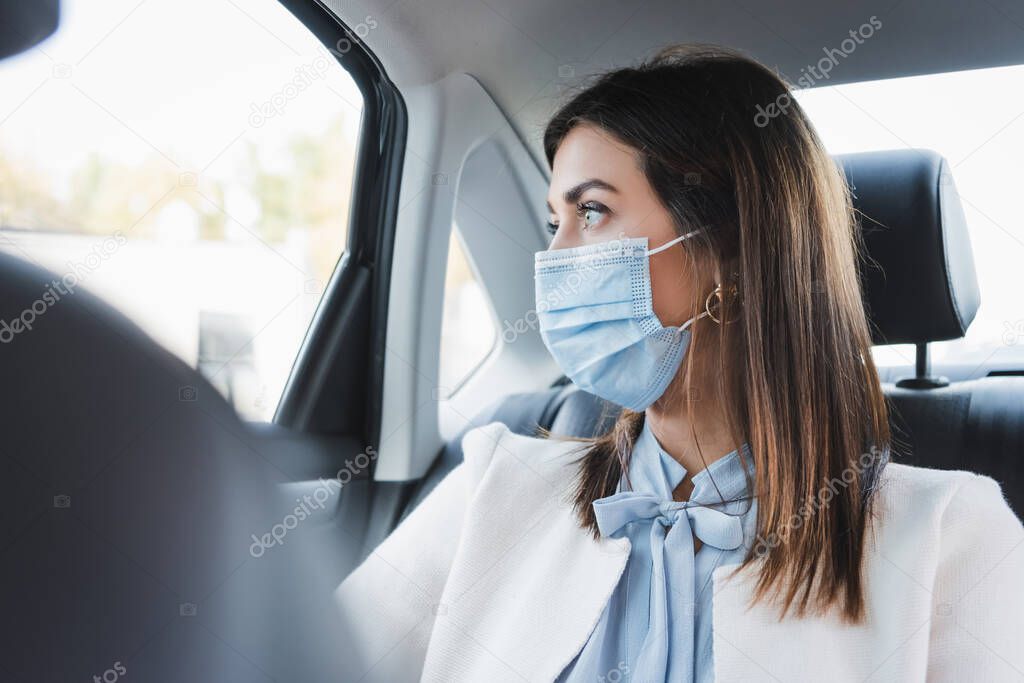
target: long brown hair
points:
(728, 149)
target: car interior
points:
(157, 523)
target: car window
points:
(973, 119)
(194, 174)
(467, 324)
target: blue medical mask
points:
(597, 319)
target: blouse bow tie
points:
(672, 597)
(713, 527)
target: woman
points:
(740, 521)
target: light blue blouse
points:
(657, 624)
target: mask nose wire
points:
(652, 252)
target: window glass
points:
(191, 163)
(467, 323)
(973, 119)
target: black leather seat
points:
(130, 497)
(920, 286)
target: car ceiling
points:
(528, 53)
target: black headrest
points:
(25, 24)
(919, 280)
(124, 477)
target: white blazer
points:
(491, 579)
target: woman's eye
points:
(551, 227)
(591, 213)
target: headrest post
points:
(922, 378)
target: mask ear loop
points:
(682, 328)
(717, 292)
(677, 240)
(651, 252)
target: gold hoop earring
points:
(719, 295)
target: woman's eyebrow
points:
(573, 194)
